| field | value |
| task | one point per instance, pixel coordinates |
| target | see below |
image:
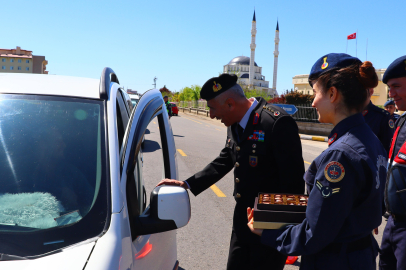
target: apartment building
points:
(379, 97)
(22, 61)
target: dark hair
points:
(352, 82)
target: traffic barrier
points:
(313, 138)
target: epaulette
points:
(380, 110)
(273, 110)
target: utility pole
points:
(154, 84)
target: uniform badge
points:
(276, 113)
(391, 123)
(364, 112)
(256, 118)
(253, 161)
(325, 64)
(334, 172)
(216, 86)
(258, 136)
(326, 191)
(332, 139)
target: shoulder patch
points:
(391, 123)
(326, 191)
(334, 171)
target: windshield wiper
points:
(7, 257)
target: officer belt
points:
(359, 244)
(400, 218)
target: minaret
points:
(275, 62)
(252, 58)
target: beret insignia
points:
(216, 86)
(334, 172)
(325, 64)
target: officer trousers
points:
(247, 255)
(393, 247)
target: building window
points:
(11, 68)
(3, 60)
(19, 68)
(3, 67)
(11, 60)
(27, 68)
(19, 60)
(27, 61)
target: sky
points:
(184, 43)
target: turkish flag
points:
(352, 36)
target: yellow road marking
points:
(193, 120)
(154, 122)
(207, 126)
(181, 153)
(218, 129)
(218, 192)
(307, 162)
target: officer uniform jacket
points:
(381, 124)
(394, 116)
(345, 185)
(393, 245)
(268, 158)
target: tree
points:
(164, 89)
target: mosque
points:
(249, 73)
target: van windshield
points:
(53, 179)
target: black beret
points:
(217, 85)
(389, 102)
(331, 61)
(395, 70)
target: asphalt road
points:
(204, 242)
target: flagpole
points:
(366, 54)
(347, 46)
(356, 43)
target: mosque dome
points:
(241, 60)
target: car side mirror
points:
(169, 209)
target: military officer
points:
(390, 108)
(264, 149)
(393, 246)
(345, 181)
(379, 121)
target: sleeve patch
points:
(334, 172)
(391, 123)
(326, 191)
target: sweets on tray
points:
(273, 210)
(282, 199)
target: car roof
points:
(133, 96)
(55, 85)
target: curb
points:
(313, 138)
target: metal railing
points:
(306, 113)
(198, 104)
